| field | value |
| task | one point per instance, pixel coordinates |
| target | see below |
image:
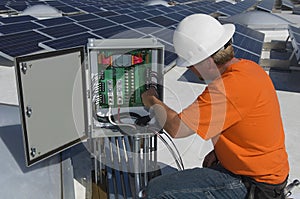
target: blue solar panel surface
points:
(54, 21)
(63, 30)
(23, 18)
(97, 23)
(163, 21)
(18, 27)
(68, 42)
(21, 43)
(126, 19)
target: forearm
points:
(168, 119)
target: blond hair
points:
(224, 55)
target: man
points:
(238, 111)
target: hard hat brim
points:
(229, 30)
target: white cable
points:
(117, 124)
(178, 159)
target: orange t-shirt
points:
(240, 111)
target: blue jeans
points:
(210, 183)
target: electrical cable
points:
(178, 159)
(116, 124)
(179, 156)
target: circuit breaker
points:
(74, 94)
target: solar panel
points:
(165, 34)
(118, 31)
(122, 19)
(4, 8)
(175, 16)
(83, 17)
(169, 55)
(54, 21)
(124, 11)
(143, 26)
(140, 15)
(250, 32)
(89, 9)
(237, 8)
(18, 8)
(24, 18)
(241, 53)
(155, 12)
(250, 44)
(67, 9)
(106, 13)
(68, 42)
(63, 30)
(95, 24)
(13, 45)
(18, 27)
(163, 21)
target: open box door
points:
(53, 101)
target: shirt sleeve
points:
(210, 114)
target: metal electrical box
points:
(71, 95)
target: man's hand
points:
(148, 97)
(210, 159)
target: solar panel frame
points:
(247, 43)
(95, 24)
(83, 17)
(118, 31)
(140, 15)
(163, 21)
(17, 44)
(18, 27)
(63, 30)
(16, 19)
(107, 13)
(54, 21)
(266, 5)
(165, 35)
(122, 19)
(68, 42)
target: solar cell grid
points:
(63, 30)
(155, 12)
(95, 24)
(250, 32)
(124, 11)
(175, 16)
(165, 34)
(19, 38)
(18, 27)
(247, 43)
(122, 19)
(140, 15)
(117, 31)
(83, 17)
(89, 9)
(106, 13)
(18, 7)
(68, 42)
(240, 53)
(163, 21)
(18, 50)
(67, 9)
(24, 18)
(54, 21)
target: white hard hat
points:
(198, 36)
